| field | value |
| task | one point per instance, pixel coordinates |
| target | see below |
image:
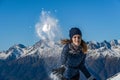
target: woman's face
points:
(76, 39)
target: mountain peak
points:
(21, 46)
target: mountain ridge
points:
(101, 59)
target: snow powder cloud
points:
(47, 27)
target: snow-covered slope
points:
(103, 59)
(13, 52)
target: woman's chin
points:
(77, 44)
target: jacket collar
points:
(74, 49)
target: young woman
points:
(73, 56)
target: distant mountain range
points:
(35, 62)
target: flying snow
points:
(47, 28)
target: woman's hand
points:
(59, 70)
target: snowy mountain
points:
(36, 62)
(13, 52)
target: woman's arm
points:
(64, 55)
(84, 69)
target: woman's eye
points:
(77, 37)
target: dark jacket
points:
(73, 60)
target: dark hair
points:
(83, 44)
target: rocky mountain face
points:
(36, 62)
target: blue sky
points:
(99, 20)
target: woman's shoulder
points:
(66, 46)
